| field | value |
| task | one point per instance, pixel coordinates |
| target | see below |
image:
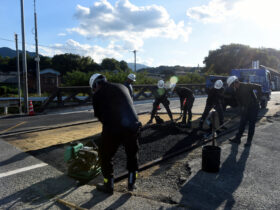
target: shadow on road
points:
(15, 158)
(39, 193)
(98, 197)
(209, 191)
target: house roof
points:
(8, 78)
(49, 71)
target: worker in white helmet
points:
(214, 100)
(247, 96)
(161, 96)
(128, 83)
(113, 106)
(186, 103)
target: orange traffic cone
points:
(31, 110)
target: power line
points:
(56, 48)
(6, 40)
(41, 45)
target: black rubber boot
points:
(249, 142)
(236, 140)
(131, 180)
(107, 186)
(189, 124)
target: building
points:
(50, 79)
(9, 78)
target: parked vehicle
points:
(256, 76)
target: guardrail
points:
(70, 96)
(79, 95)
(64, 96)
(9, 102)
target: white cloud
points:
(61, 34)
(71, 46)
(263, 13)
(127, 24)
(215, 11)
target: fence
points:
(65, 96)
(8, 102)
(79, 95)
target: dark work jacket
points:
(129, 87)
(246, 96)
(160, 94)
(184, 93)
(215, 96)
(113, 106)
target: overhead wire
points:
(42, 45)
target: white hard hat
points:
(93, 78)
(132, 77)
(231, 80)
(218, 84)
(172, 86)
(160, 84)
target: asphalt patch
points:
(155, 141)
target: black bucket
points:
(211, 158)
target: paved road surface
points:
(249, 178)
(78, 114)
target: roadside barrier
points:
(31, 110)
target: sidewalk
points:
(249, 178)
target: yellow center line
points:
(12, 127)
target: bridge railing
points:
(78, 95)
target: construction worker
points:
(186, 102)
(128, 83)
(161, 95)
(113, 106)
(248, 101)
(214, 100)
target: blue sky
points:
(164, 32)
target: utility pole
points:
(134, 51)
(37, 58)
(24, 65)
(18, 74)
(134, 60)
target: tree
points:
(110, 64)
(236, 56)
(124, 66)
(45, 62)
(76, 78)
(66, 63)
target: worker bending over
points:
(161, 95)
(112, 105)
(248, 101)
(186, 102)
(214, 100)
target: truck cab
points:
(257, 76)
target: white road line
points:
(9, 173)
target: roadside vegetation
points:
(75, 70)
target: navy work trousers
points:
(109, 145)
(248, 114)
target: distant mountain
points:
(8, 52)
(138, 66)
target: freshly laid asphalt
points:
(249, 178)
